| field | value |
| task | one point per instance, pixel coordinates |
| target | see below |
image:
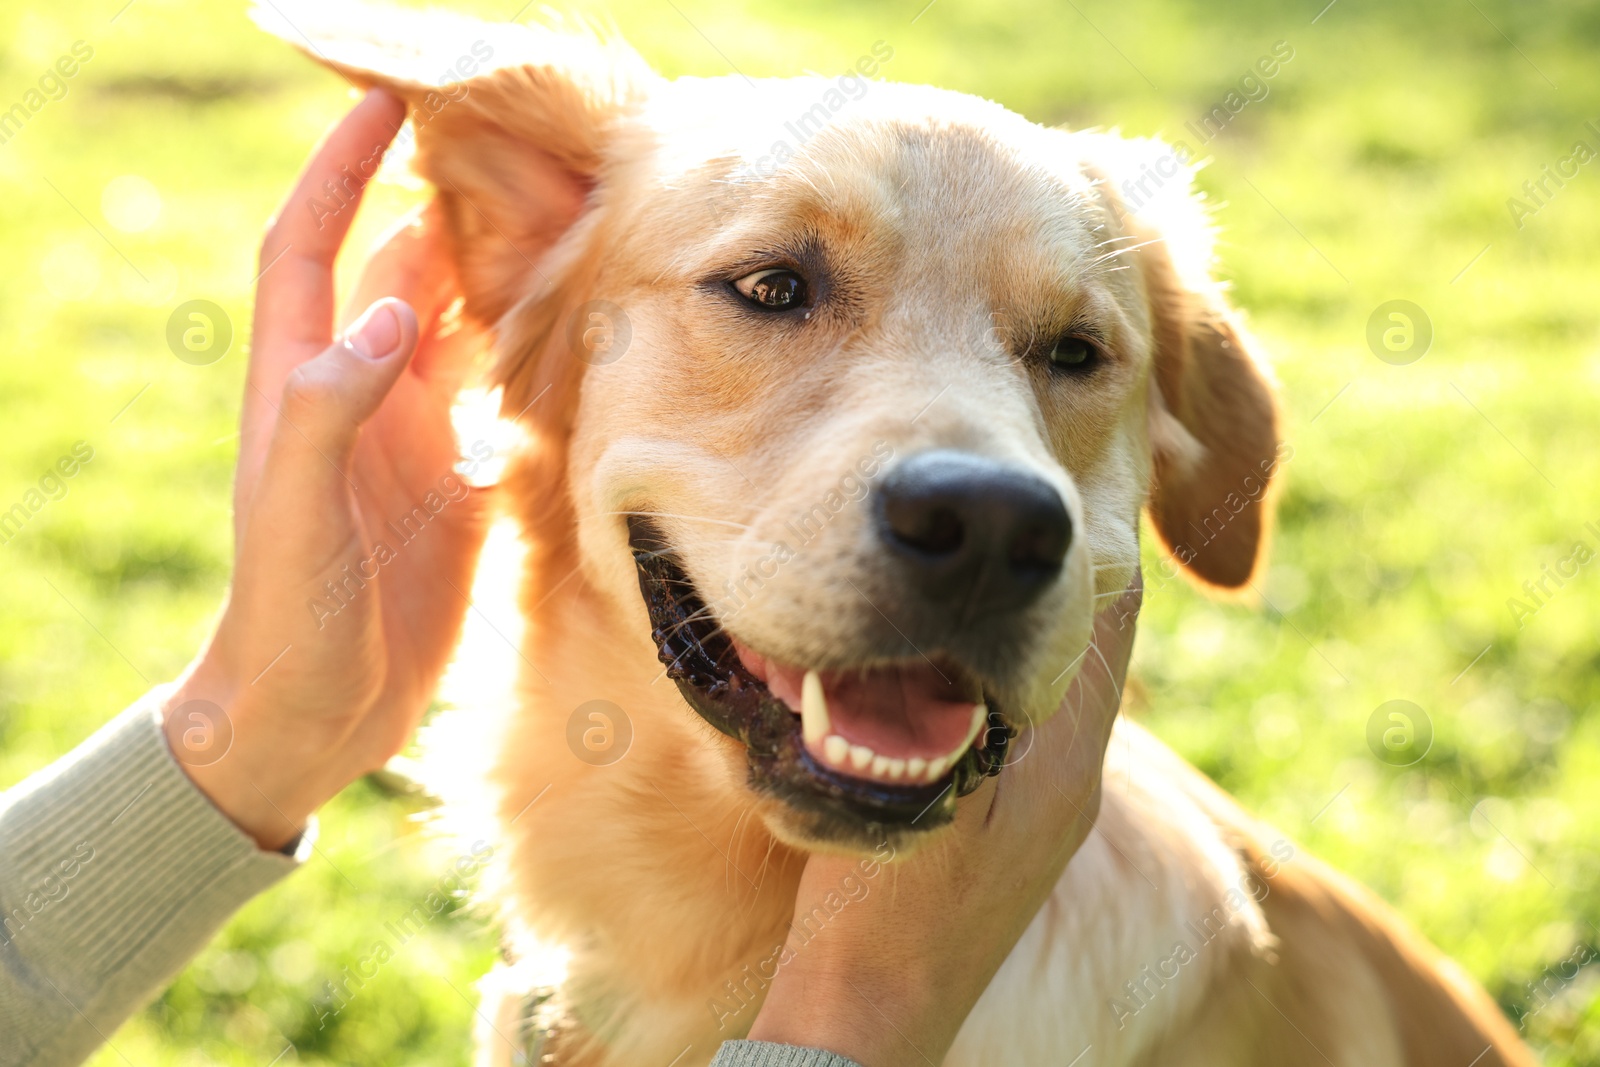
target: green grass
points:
(1419, 499)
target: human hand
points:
(890, 980)
(345, 476)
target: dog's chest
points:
(1150, 913)
(1153, 909)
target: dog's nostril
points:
(967, 528)
(1041, 543)
(924, 525)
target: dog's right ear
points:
(511, 123)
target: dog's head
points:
(857, 389)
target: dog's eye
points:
(776, 289)
(1073, 353)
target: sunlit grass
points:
(1419, 500)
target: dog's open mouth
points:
(858, 753)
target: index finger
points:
(294, 299)
(294, 295)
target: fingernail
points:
(377, 334)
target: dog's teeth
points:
(814, 722)
(841, 753)
(980, 715)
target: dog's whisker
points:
(733, 848)
(687, 620)
(1124, 250)
(738, 541)
(1114, 240)
(1111, 675)
(1106, 257)
(685, 518)
(766, 860)
(716, 631)
(702, 612)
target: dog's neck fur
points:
(665, 816)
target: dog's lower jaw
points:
(827, 807)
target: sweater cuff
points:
(118, 870)
(766, 1054)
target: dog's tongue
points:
(901, 712)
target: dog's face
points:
(857, 406)
(878, 427)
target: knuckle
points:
(306, 393)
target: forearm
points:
(114, 871)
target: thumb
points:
(327, 398)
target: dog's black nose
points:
(973, 531)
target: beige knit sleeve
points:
(766, 1054)
(114, 871)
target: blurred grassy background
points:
(1419, 499)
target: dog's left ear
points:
(1213, 419)
(511, 125)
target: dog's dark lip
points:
(701, 660)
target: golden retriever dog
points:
(843, 400)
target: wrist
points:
(878, 1020)
(227, 750)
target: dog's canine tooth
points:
(980, 715)
(897, 769)
(835, 749)
(936, 768)
(814, 722)
(860, 756)
(915, 766)
(880, 766)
